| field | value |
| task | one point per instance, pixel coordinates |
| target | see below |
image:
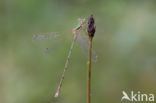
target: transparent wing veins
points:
(84, 44)
(45, 36)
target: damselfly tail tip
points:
(56, 94)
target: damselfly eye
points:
(81, 20)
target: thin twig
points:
(89, 71)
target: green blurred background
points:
(125, 42)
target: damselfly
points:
(83, 41)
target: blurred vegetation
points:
(125, 42)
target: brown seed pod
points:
(91, 28)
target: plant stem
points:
(89, 71)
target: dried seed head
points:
(91, 28)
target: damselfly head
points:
(81, 21)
